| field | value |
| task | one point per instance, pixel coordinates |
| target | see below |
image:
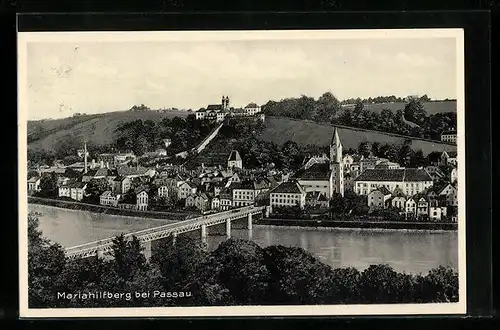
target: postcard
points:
(241, 173)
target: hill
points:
(98, 129)
(279, 130)
(431, 107)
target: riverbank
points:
(389, 225)
(109, 210)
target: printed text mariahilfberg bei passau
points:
(97, 295)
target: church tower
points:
(336, 165)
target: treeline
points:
(413, 120)
(238, 272)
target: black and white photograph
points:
(241, 173)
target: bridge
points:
(146, 236)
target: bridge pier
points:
(147, 249)
(250, 221)
(174, 238)
(228, 228)
(204, 233)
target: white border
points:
(325, 310)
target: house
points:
(234, 160)
(449, 195)
(215, 203)
(377, 199)
(77, 190)
(348, 160)
(252, 109)
(316, 199)
(410, 180)
(398, 200)
(449, 136)
(202, 202)
(109, 198)
(449, 158)
(316, 178)
(33, 184)
(121, 184)
(411, 205)
(142, 199)
(163, 191)
(288, 193)
(436, 212)
(244, 192)
(387, 165)
(190, 201)
(185, 189)
(64, 190)
(422, 205)
(226, 201)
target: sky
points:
(96, 77)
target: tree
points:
(364, 149)
(48, 186)
(127, 257)
(95, 188)
(337, 204)
(414, 111)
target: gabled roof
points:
(319, 171)
(214, 107)
(384, 191)
(34, 179)
(252, 105)
(449, 132)
(289, 187)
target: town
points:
(323, 182)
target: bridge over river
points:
(146, 236)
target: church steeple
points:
(335, 147)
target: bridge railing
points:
(177, 225)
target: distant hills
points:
(100, 128)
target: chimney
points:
(85, 156)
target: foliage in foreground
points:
(238, 272)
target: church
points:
(324, 175)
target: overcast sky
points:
(64, 78)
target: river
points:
(405, 251)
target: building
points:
(214, 112)
(226, 201)
(398, 200)
(64, 190)
(234, 160)
(315, 199)
(422, 205)
(323, 174)
(161, 152)
(449, 195)
(453, 175)
(185, 189)
(109, 198)
(436, 212)
(289, 194)
(449, 136)
(336, 164)
(77, 190)
(163, 191)
(252, 109)
(411, 205)
(449, 158)
(121, 185)
(244, 192)
(215, 203)
(142, 199)
(411, 181)
(435, 172)
(33, 184)
(202, 202)
(377, 199)
(385, 164)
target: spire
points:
(335, 137)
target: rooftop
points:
(394, 175)
(315, 172)
(289, 187)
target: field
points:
(98, 129)
(279, 130)
(430, 107)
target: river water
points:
(405, 251)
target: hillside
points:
(279, 130)
(98, 129)
(431, 107)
